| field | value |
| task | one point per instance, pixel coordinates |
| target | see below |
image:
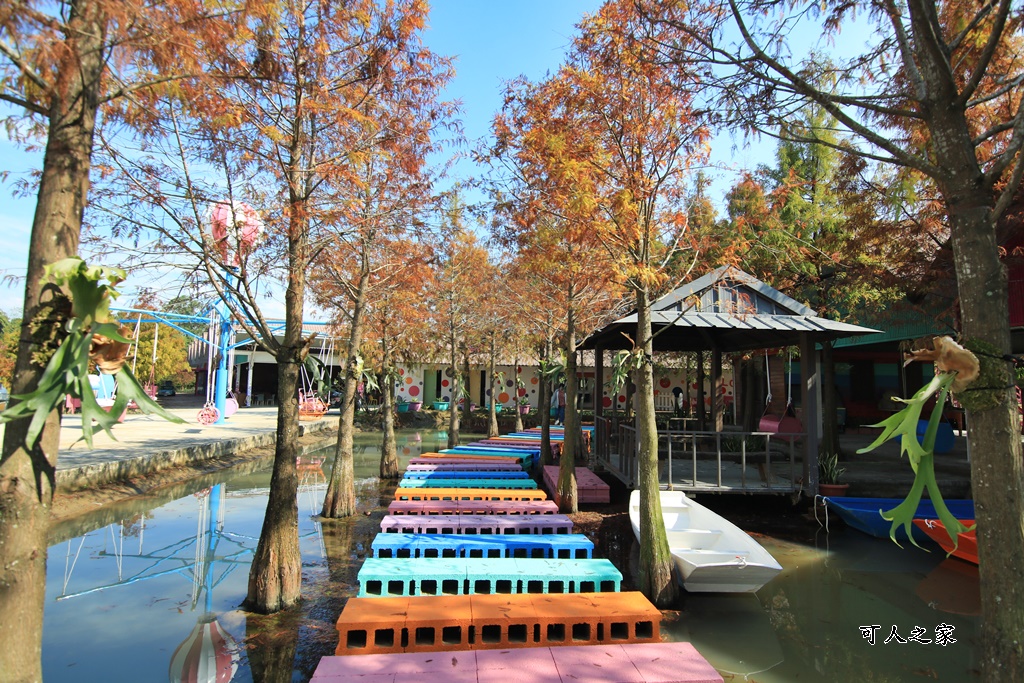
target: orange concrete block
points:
(494, 621)
(372, 625)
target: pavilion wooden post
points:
(717, 402)
(599, 382)
(809, 393)
(702, 416)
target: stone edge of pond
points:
(92, 476)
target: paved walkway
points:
(145, 442)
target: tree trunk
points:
(340, 498)
(829, 407)
(997, 479)
(27, 470)
(545, 411)
(275, 577)
(519, 413)
(492, 412)
(567, 492)
(453, 407)
(388, 449)
(655, 559)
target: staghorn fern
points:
(921, 456)
(93, 336)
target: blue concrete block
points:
(550, 546)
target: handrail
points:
(684, 454)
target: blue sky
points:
(493, 41)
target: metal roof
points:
(729, 310)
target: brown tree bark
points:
(388, 449)
(275, 577)
(340, 498)
(492, 410)
(829, 405)
(997, 472)
(27, 470)
(655, 559)
(453, 407)
(567, 492)
(545, 410)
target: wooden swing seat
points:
(780, 424)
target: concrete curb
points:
(92, 476)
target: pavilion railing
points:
(705, 461)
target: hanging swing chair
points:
(787, 422)
(209, 414)
(311, 405)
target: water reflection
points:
(143, 596)
(806, 624)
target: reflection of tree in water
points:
(270, 642)
(133, 526)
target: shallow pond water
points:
(141, 595)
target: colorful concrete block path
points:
(628, 663)
(446, 583)
(472, 507)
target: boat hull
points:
(710, 554)
(864, 515)
(726, 577)
(967, 542)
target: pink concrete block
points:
(596, 664)
(337, 670)
(671, 663)
(456, 674)
(532, 664)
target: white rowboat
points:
(711, 554)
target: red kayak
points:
(967, 543)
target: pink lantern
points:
(235, 228)
(208, 655)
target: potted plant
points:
(401, 405)
(441, 405)
(829, 472)
(524, 405)
(414, 406)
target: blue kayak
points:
(863, 514)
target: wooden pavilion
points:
(726, 311)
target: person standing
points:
(560, 405)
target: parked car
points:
(166, 389)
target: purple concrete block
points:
(671, 663)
